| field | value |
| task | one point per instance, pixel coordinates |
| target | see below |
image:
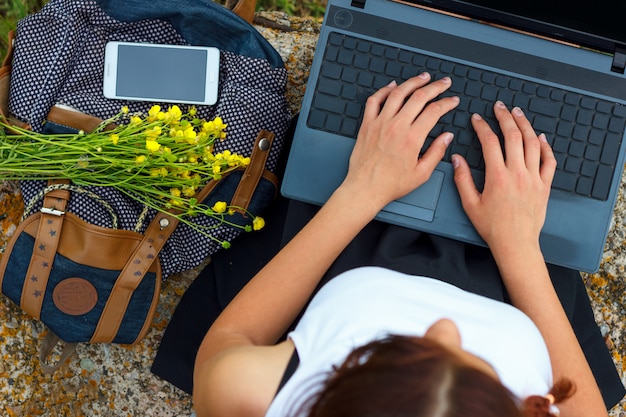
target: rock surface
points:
(113, 380)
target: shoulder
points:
(242, 381)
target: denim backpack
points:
(56, 68)
(58, 59)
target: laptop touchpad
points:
(421, 203)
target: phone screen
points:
(161, 73)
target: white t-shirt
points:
(369, 303)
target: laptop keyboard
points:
(585, 132)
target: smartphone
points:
(161, 73)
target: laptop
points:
(563, 65)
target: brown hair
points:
(538, 406)
(402, 376)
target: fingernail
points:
(447, 80)
(542, 137)
(424, 75)
(517, 111)
(476, 116)
(500, 104)
(455, 161)
(393, 83)
(447, 138)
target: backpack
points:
(54, 75)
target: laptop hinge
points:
(619, 60)
(358, 3)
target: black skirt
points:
(468, 267)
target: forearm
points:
(281, 289)
(528, 283)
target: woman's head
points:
(405, 376)
(414, 377)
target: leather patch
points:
(75, 296)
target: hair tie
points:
(553, 409)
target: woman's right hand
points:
(385, 163)
(511, 209)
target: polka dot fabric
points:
(59, 59)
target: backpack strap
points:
(5, 83)
(155, 236)
(44, 249)
(243, 8)
(5, 78)
(254, 171)
(48, 344)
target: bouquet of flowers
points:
(160, 159)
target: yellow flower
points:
(258, 223)
(135, 120)
(115, 138)
(140, 159)
(192, 111)
(219, 207)
(154, 132)
(219, 124)
(217, 169)
(83, 161)
(124, 110)
(174, 113)
(176, 203)
(189, 191)
(190, 135)
(175, 192)
(152, 145)
(155, 113)
(208, 156)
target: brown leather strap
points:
(159, 230)
(74, 119)
(8, 58)
(44, 250)
(5, 79)
(254, 171)
(49, 343)
(244, 8)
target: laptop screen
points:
(598, 25)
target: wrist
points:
(357, 200)
(517, 256)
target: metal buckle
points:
(53, 211)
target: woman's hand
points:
(509, 215)
(384, 164)
(512, 207)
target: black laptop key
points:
(620, 111)
(331, 71)
(585, 132)
(610, 149)
(329, 86)
(361, 61)
(545, 107)
(345, 57)
(543, 124)
(565, 181)
(329, 104)
(602, 184)
(584, 186)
